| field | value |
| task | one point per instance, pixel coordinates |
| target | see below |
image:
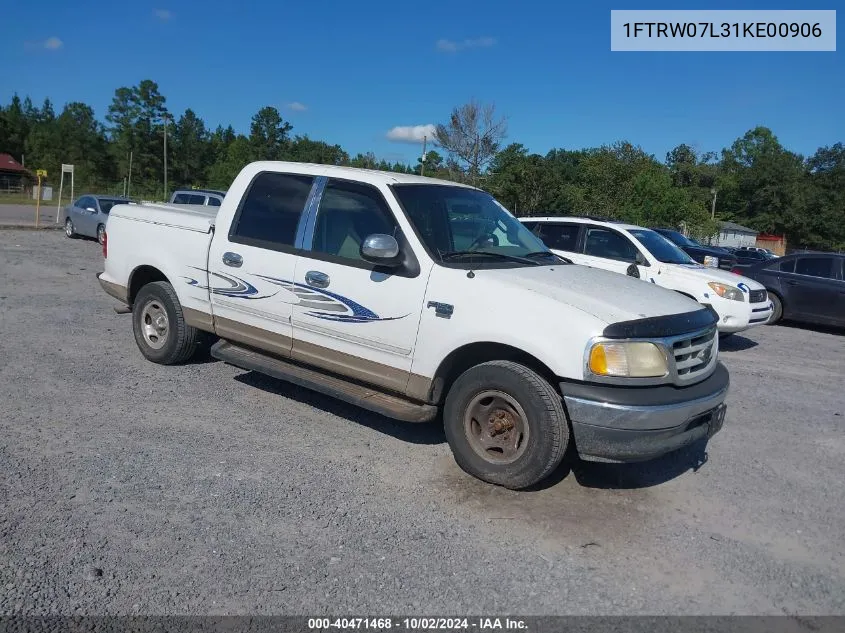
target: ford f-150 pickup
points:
(414, 297)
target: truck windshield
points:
(461, 224)
(661, 248)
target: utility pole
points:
(713, 206)
(129, 183)
(422, 160)
(165, 157)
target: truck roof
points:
(370, 176)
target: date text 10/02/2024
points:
(417, 624)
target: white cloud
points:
(296, 106)
(53, 43)
(411, 133)
(163, 14)
(452, 46)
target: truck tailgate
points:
(188, 217)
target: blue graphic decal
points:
(237, 288)
(743, 287)
(328, 305)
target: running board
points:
(388, 405)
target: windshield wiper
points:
(548, 254)
(512, 258)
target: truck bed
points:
(183, 216)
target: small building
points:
(774, 243)
(736, 235)
(13, 176)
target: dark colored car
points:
(748, 257)
(807, 287)
(700, 253)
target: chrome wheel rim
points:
(101, 231)
(68, 228)
(496, 427)
(155, 325)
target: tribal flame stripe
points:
(321, 304)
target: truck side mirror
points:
(382, 249)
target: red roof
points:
(7, 163)
(766, 237)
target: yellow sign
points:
(41, 173)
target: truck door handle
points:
(317, 279)
(233, 259)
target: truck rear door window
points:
(270, 211)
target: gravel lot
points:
(128, 487)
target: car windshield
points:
(678, 238)
(459, 224)
(661, 248)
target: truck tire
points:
(159, 325)
(505, 424)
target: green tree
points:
(305, 150)
(268, 135)
(225, 169)
(191, 149)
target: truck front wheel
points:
(159, 325)
(505, 424)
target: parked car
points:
(87, 216)
(707, 255)
(757, 249)
(804, 287)
(632, 250)
(410, 296)
(746, 257)
(204, 197)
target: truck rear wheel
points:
(159, 325)
(505, 424)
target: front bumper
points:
(630, 424)
(736, 316)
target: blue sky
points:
(357, 69)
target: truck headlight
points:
(628, 360)
(726, 291)
(711, 261)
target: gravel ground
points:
(128, 487)
(24, 214)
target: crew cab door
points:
(611, 250)
(251, 269)
(353, 317)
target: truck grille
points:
(758, 295)
(696, 354)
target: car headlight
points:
(726, 291)
(628, 360)
(711, 261)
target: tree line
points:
(755, 182)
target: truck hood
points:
(608, 296)
(706, 274)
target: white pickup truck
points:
(411, 296)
